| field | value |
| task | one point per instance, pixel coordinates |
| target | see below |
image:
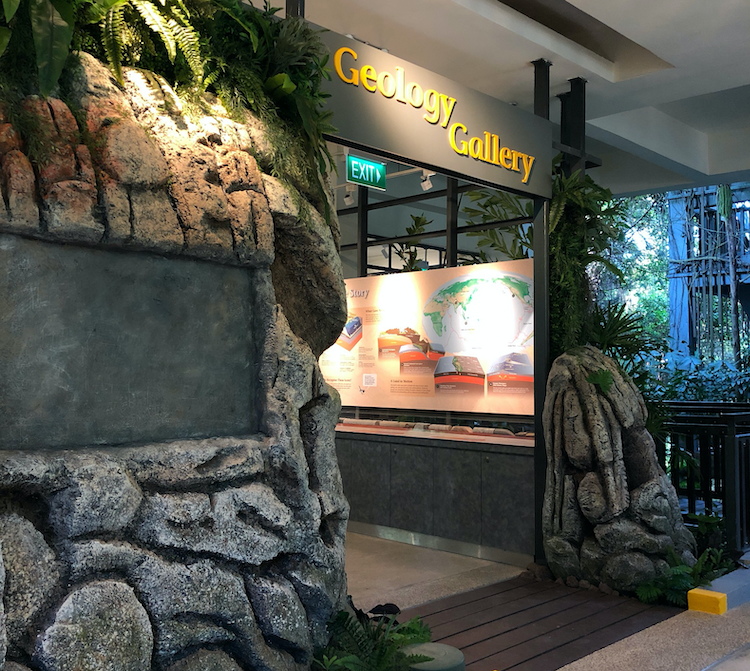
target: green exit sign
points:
(364, 172)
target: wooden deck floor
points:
(525, 625)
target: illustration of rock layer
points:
(459, 375)
(391, 341)
(170, 494)
(511, 374)
(351, 334)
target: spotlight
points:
(349, 196)
(426, 181)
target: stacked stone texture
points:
(610, 513)
(216, 554)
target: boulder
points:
(206, 660)
(99, 497)
(610, 513)
(306, 273)
(99, 627)
(281, 615)
(32, 579)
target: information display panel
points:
(454, 339)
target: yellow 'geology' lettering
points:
(395, 86)
(438, 107)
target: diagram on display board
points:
(458, 339)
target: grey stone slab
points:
(106, 347)
(457, 495)
(508, 502)
(369, 491)
(736, 585)
(412, 488)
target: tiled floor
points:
(382, 571)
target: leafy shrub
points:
(678, 578)
(684, 377)
(362, 644)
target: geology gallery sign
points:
(385, 104)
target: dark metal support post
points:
(541, 363)
(295, 8)
(451, 224)
(573, 126)
(362, 212)
(731, 489)
(541, 321)
(541, 88)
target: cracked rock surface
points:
(217, 553)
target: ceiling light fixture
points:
(349, 196)
(426, 181)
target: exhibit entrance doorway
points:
(442, 201)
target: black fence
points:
(706, 451)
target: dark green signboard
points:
(364, 172)
(382, 103)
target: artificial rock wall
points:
(610, 514)
(169, 493)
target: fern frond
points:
(158, 23)
(112, 38)
(188, 41)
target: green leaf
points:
(279, 86)
(52, 36)
(602, 378)
(5, 34)
(10, 7)
(159, 24)
(112, 38)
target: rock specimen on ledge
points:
(610, 512)
(210, 551)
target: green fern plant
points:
(371, 645)
(122, 25)
(678, 578)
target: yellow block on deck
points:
(707, 601)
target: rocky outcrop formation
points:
(223, 553)
(610, 512)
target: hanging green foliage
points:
(583, 222)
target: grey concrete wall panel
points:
(344, 457)
(458, 495)
(369, 119)
(508, 502)
(370, 483)
(412, 489)
(109, 347)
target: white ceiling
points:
(669, 107)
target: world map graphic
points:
(481, 313)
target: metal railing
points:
(706, 451)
